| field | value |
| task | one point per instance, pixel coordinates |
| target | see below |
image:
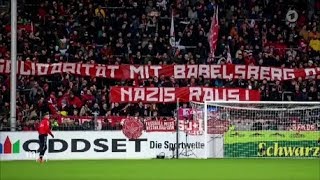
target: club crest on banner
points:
(132, 128)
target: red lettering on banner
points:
(56, 68)
(33, 66)
(160, 126)
(310, 71)
(220, 96)
(208, 94)
(42, 69)
(215, 71)
(113, 70)
(160, 99)
(78, 70)
(145, 72)
(87, 68)
(253, 71)
(123, 94)
(204, 70)
(23, 69)
(69, 68)
(191, 123)
(192, 71)
(240, 70)
(101, 71)
(224, 73)
(265, 73)
(150, 94)
(169, 95)
(139, 94)
(185, 94)
(191, 127)
(155, 70)
(195, 93)
(185, 113)
(288, 74)
(303, 127)
(276, 74)
(136, 70)
(233, 95)
(180, 71)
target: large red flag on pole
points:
(213, 34)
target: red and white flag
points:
(229, 59)
(32, 28)
(172, 34)
(213, 33)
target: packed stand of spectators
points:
(137, 32)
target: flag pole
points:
(13, 77)
(177, 129)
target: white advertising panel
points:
(105, 145)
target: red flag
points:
(213, 33)
(172, 33)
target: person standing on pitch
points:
(43, 130)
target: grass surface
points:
(212, 169)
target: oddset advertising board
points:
(115, 145)
(100, 145)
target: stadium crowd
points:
(138, 32)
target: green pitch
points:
(211, 169)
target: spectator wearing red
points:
(249, 60)
(74, 101)
(87, 96)
(52, 103)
